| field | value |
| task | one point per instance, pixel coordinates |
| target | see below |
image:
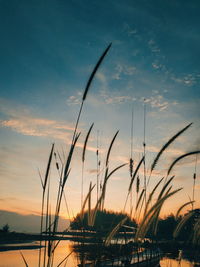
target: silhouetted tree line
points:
(167, 226)
(105, 221)
(5, 229)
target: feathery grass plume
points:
(64, 259)
(183, 206)
(110, 147)
(194, 181)
(85, 201)
(85, 143)
(98, 164)
(94, 71)
(114, 231)
(166, 145)
(149, 217)
(131, 167)
(181, 157)
(135, 173)
(182, 223)
(25, 262)
(151, 195)
(88, 86)
(140, 198)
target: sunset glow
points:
(47, 54)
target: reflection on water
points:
(166, 262)
(14, 259)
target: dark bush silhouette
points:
(104, 223)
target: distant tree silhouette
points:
(105, 221)
(5, 228)
(167, 226)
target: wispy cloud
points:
(37, 127)
(157, 101)
(75, 99)
(20, 119)
(129, 30)
(189, 79)
(123, 70)
(153, 46)
(116, 99)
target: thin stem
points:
(82, 176)
(41, 225)
(132, 118)
(144, 151)
(97, 153)
(131, 160)
(77, 121)
(194, 182)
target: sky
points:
(48, 50)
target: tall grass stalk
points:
(44, 184)
(83, 160)
(144, 153)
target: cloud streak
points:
(37, 127)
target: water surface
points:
(13, 258)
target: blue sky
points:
(47, 52)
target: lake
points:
(13, 258)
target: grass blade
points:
(135, 173)
(113, 171)
(48, 167)
(151, 195)
(171, 140)
(65, 259)
(165, 187)
(85, 143)
(182, 223)
(181, 157)
(85, 201)
(110, 147)
(25, 262)
(183, 206)
(114, 231)
(149, 217)
(140, 198)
